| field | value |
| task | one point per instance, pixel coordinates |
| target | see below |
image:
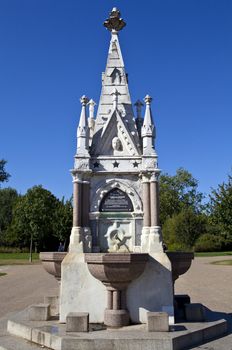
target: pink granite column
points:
(85, 203)
(76, 203)
(154, 200)
(146, 203)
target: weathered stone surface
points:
(53, 301)
(195, 312)
(77, 322)
(158, 281)
(39, 312)
(134, 337)
(157, 322)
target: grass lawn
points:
(18, 258)
(222, 262)
(213, 254)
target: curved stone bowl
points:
(116, 269)
(51, 262)
(181, 262)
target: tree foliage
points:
(178, 192)
(63, 221)
(41, 216)
(8, 197)
(4, 175)
(183, 229)
(221, 210)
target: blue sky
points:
(53, 51)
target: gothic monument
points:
(116, 197)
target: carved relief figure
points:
(117, 239)
(116, 144)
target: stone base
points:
(39, 312)
(76, 240)
(194, 312)
(77, 322)
(179, 305)
(116, 318)
(52, 334)
(81, 292)
(157, 322)
(151, 239)
(53, 301)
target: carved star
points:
(96, 165)
(115, 164)
(135, 164)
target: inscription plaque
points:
(116, 200)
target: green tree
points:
(221, 211)
(63, 221)
(183, 229)
(8, 197)
(4, 176)
(33, 219)
(178, 192)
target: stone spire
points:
(115, 77)
(148, 129)
(83, 130)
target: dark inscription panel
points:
(116, 200)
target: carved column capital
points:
(154, 177)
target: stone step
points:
(9, 342)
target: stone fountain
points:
(116, 270)
(116, 241)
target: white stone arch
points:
(106, 186)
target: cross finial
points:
(114, 22)
(147, 99)
(84, 100)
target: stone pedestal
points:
(39, 312)
(157, 322)
(81, 292)
(77, 322)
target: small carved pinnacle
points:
(84, 100)
(138, 105)
(114, 22)
(92, 102)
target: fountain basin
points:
(51, 262)
(181, 262)
(116, 271)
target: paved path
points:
(208, 284)
(24, 285)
